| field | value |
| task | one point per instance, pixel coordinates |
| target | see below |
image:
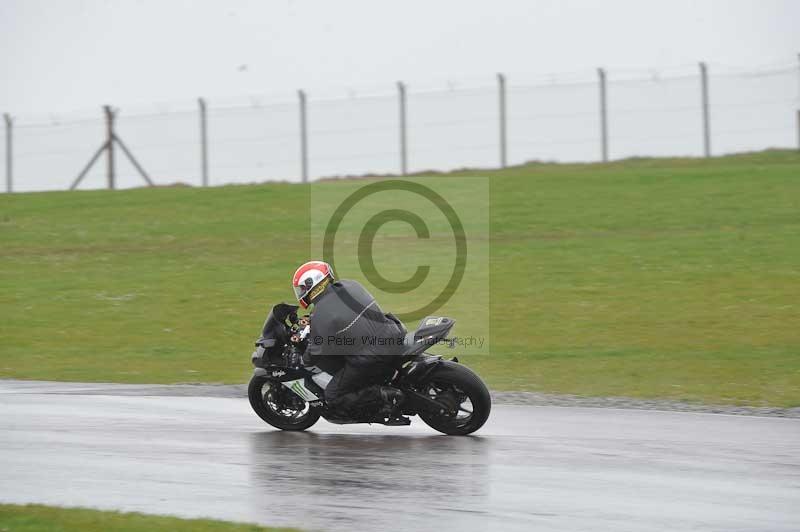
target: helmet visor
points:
(300, 291)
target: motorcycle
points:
(289, 395)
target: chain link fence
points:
(406, 129)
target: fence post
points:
(798, 130)
(303, 137)
(9, 154)
(110, 170)
(706, 118)
(501, 92)
(203, 141)
(401, 95)
(603, 116)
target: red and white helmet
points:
(310, 280)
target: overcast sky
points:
(76, 54)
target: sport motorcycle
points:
(290, 395)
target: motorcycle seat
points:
(431, 330)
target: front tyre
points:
(464, 395)
(279, 406)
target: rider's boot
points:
(392, 400)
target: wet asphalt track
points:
(529, 468)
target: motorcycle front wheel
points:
(464, 395)
(279, 406)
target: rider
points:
(348, 324)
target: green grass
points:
(38, 518)
(672, 278)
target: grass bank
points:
(38, 518)
(672, 278)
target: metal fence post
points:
(603, 116)
(108, 146)
(303, 137)
(110, 170)
(798, 130)
(706, 118)
(501, 91)
(401, 95)
(203, 141)
(9, 154)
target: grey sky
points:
(76, 54)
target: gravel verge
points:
(546, 399)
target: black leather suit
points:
(354, 340)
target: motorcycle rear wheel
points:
(457, 385)
(268, 405)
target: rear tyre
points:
(465, 395)
(279, 406)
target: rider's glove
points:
(294, 360)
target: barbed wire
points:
(561, 80)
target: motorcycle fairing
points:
(298, 386)
(281, 373)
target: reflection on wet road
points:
(529, 468)
(358, 479)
